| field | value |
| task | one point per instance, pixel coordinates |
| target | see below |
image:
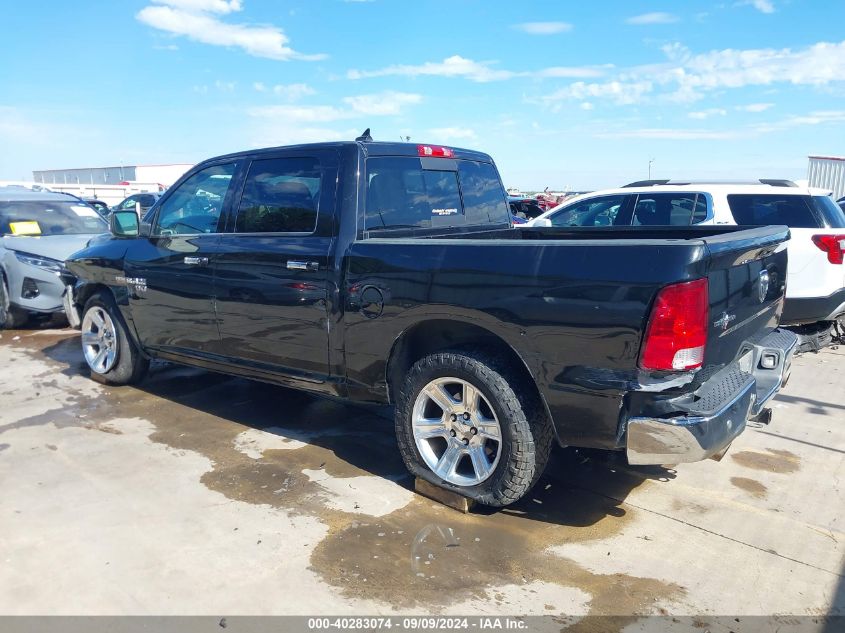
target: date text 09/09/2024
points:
(419, 623)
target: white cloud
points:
(382, 104)
(293, 92)
(669, 134)
(301, 114)
(656, 17)
(754, 107)
(288, 92)
(706, 114)
(449, 134)
(481, 72)
(763, 6)
(387, 103)
(225, 86)
(567, 72)
(198, 21)
(587, 106)
(620, 93)
(818, 117)
(544, 28)
(210, 6)
(686, 77)
(455, 66)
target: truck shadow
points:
(579, 488)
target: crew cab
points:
(391, 273)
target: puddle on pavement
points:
(420, 554)
(751, 486)
(772, 460)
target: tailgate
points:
(747, 282)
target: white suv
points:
(815, 290)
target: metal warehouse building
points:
(162, 174)
(827, 172)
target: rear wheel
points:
(11, 317)
(465, 424)
(111, 355)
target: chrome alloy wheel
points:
(456, 431)
(99, 340)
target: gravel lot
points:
(202, 494)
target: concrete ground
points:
(202, 494)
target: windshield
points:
(49, 218)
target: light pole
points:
(649, 167)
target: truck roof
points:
(370, 148)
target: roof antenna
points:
(365, 137)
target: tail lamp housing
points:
(676, 334)
(833, 245)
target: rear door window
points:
(401, 194)
(669, 209)
(764, 209)
(600, 211)
(281, 195)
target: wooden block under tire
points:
(446, 497)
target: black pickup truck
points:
(391, 273)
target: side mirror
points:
(124, 224)
(542, 222)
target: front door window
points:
(196, 206)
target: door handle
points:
(309, 266)
(196, 261)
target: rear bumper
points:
(801, 310)
(725, 402)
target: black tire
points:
(11, 317)
(130, 366)
(526, 431)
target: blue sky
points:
(576, 95)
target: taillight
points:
(833, 245)
(677, 328)
(435, 151)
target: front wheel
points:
(464, 424)
(11, 317)
(111, 355)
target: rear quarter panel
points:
(573, 311)
(810, 272)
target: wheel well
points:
(435, 336)
(87, 291)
